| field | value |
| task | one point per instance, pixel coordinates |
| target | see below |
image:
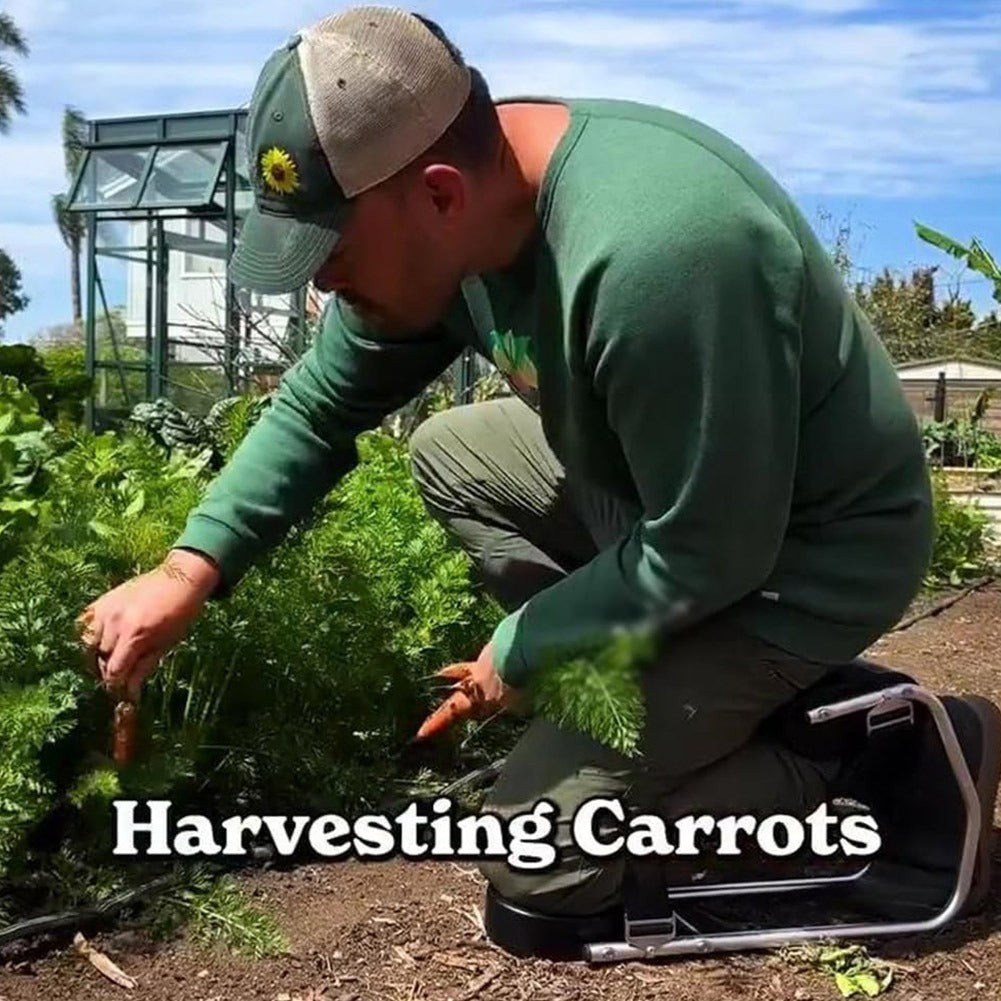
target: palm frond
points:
(11, 36)
(11, 97)
(74, 137)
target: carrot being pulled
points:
(471, 697)
(456, 707)
(126, 719)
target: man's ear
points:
(445, 187)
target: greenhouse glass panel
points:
(110, 178)
(197, 127)
(184, 175)
(128, 130)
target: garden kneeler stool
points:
(864, 714)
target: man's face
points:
(397, 262)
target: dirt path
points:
(402, 931)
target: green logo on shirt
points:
(513, 358)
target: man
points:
(705, 431)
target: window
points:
(110, 178)
(213, 261)
(154, 176)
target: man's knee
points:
(450, 458)
(566, 769)
(426, 447)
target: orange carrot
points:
(457, 707)
(125, 728)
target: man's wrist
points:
(193, 567)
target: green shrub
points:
(25, 449)
(70, 385)
(56, 378)
(963, 539)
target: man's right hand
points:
(129, 629)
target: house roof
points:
(941, 359)
(956, 367)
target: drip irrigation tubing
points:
(941, 606)
(257, 855)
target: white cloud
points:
(30, 165)
(153, 87)
(179, 20)
(41, 256)
(146, 76)
(35, 15)
(809, 6)
(864, 108)
(860, 98)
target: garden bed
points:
(409, 931)
(963, 479)
(299, 694)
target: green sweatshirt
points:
(690, 347)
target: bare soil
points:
(405, 931)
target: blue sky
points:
(877, 111)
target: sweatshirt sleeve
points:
(693, 349)
(305, 442)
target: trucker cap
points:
(345, 104)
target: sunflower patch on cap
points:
(279, 171)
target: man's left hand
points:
(479, 692)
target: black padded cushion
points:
(526, 933)
(844, 736)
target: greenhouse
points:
(164, 197)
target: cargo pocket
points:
(786, 669)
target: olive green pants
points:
(487, 474)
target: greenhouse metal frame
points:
(154, 169)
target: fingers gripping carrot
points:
(455, 672)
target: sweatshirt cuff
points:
(222, 545)
(507, 656)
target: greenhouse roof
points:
(138, 165)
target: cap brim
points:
(278, 254)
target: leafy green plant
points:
(56, 377)
(854, 971)
(35, 716)
(215, 911)
(963, 536)
(961, 443)
(216, 435)
(597, 692)
(25, 447)
(964, 441)
(298, 692)
(231, 419)
(975, 254)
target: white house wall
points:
(196, 302)
(955, 371)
